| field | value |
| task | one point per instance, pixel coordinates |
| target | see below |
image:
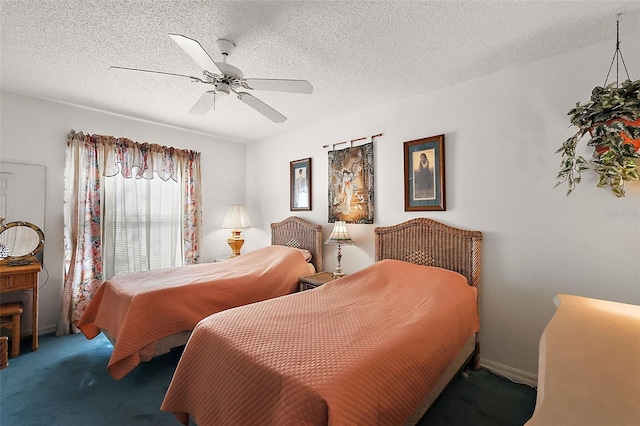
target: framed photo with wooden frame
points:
(424, 187)
(300, 181)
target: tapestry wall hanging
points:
(351, 184)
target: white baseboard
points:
(510, 373)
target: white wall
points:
(34, 131)
(501, 132)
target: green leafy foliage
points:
(601, 120)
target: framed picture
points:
(300, 178)
(424, 174)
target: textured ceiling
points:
(356, 54)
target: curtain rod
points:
(352, 141)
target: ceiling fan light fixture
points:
(222, 88)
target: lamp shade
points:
(236, 218)
(339, 236)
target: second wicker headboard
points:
(428, 242)
(299, 233)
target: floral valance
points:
(134, 159)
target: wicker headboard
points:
(300, 233)
(427, 242)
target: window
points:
(142, 224)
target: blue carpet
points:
(483, 399)
(65, 382)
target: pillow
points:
(306, 253)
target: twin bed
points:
(374, 347)
(146, 314)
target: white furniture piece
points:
(589, 367)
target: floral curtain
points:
(192, 206)
(88, 159)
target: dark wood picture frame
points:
(300, 182)
(424, 185)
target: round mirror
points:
(20, 241)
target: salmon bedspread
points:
(140, 308)
(361, 350)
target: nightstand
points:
(315, 280)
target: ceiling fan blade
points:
(205, 103)
(197, 53)
(291, 86)
(158, 72)
(261, 107)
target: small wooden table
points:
(315, 280)
(23, 277)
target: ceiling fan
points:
(225, 78)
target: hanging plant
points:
(612, 121)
